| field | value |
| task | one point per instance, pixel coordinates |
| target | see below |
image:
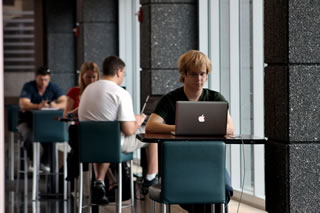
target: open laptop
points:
(201, 118)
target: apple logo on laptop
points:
(202, 118)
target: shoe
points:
(98, 193)
(147, 183)
(30, 169)
(111, 193)
(102, 201)
(44, 168)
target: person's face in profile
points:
(89, 77)
(196, 78)
(42, 81)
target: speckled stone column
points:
(59, 21)
(98, 30)
(292, 103)
(167, 30)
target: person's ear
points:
(118, 72)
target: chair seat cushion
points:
(155, 192)
(126, 157)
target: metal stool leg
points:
(119, 201)
(80, 187)
(65, 183)
(11, 157)
(56, 167)
(131, 187)
(25, 173)
(222, 208)
(36, 162)
(18, 170)
(153, 206)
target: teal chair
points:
(13, 117)
(12, 128)
(100, 142)
(47, 129)
(192, 172)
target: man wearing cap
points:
(35, 95)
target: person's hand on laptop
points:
(140, 118)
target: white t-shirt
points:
(104, 100)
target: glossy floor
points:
(16, 202)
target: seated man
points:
(194, 68)
(106, 100)
(35, 95)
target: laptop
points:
(149, 106)
(201, 118)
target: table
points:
(237, 139)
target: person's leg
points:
(130, 145)
(99, 192)
(100, 170)
(47, 149)
(152, 158)
(26, 135)
(229, 190)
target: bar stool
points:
(47, 129)
(192, 172)
(13, 117)
(99, 142)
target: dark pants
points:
(25, 130)
(206, 208)
(73, 155)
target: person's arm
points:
(69, 107)
(156, 124)
(60, 103)
(130, 127)
(26, 104)
(230, 127)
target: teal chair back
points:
(47, 128)
(193, 172)
(100, 142)
(13, 111)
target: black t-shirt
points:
(166, 107)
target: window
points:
(19, 37)
(231, 33)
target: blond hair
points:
(193, 60)
(85, 67)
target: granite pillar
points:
(60, 42)
(167, 30)
(292, 94)
(98, 30)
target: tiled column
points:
(168, 29)
(292, 105)
(98, 30)
(59, 22)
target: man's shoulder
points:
(175, 93)
(53, 85)
(211, 95)
(31, 83)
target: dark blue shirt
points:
(30, 91)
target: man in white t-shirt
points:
(105, 100)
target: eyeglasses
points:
(196, 74)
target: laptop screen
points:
(201, 118)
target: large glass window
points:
(232, 36)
